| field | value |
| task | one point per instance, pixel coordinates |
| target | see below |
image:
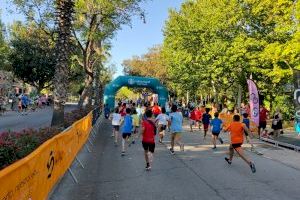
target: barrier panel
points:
(228, 118)
(33, 177)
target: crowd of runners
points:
(132, 121)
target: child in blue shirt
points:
(216, 127)
(127, 129)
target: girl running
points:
(116, 121)
(162, 121)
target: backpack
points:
(152, 123)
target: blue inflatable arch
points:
(134, 81)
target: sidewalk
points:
(197, 173)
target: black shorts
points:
(149, 146)
(125, 135)
(215, 133)
(235, 146)
(116, 127)
(24, 107)
(262, 125)
(162, 128)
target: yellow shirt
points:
(136, 120)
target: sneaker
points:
(228, 161)
(123, 153)
(252, 166)
(116, 144)
(214, 148)
(133, 142)
(160, 141)
(172, 151)
(182, 147)
(221, 141)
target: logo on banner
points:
(131, 81)
(254, 98)
(50, 164)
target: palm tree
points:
(64, 15)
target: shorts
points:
(136, 129)
(116, 127)
(235, 146)
(149, 146)
(205, 126)
(192, 122)
(162, 127)
(125, 135)
(216, 133)
(262, 125)
(24, 107)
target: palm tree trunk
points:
(64, 19)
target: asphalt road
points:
(197, 173)
(41, 118)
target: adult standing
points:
(263, 116)
(277, 122)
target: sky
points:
(130, 41)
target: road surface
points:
(197, 173)
(41, 118)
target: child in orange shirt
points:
(237, 130)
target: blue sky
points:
(129, 41)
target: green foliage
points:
(125, 93)
(4, 49)
(32, 55)
(215, 45)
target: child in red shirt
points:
(192, 116)
(198, 117)
(148, 141)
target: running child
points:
(148, 140)
(176, 120)
(116, 121)
(198, 117)
(136, 125)
(162, 121)
(216, 127)
(246, 121)
(192, 116)
(237, 129)
(126, 131)
(206, 117)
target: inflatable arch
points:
(134, 81)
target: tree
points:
(65, 9)
(32, 55)
(4, 49)
(150, 64)
(95, 25)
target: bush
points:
(17, 145)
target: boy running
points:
(162, 120)
(192, 117)
(216, 125)
(127, 128)
(198, 117)
(116, 121)
(206, 121)
(176, 120)
(237, 129)
(148, 131)
(136, 125)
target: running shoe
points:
(133, 142)
(160, 141)
(214, 148)
(172, 151)
(221, 141)
(228, 161)
(252, 166)
(123, 153)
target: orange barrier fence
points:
(33, 177)
(228, 118)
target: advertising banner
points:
(33, 177)
(254, 101)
